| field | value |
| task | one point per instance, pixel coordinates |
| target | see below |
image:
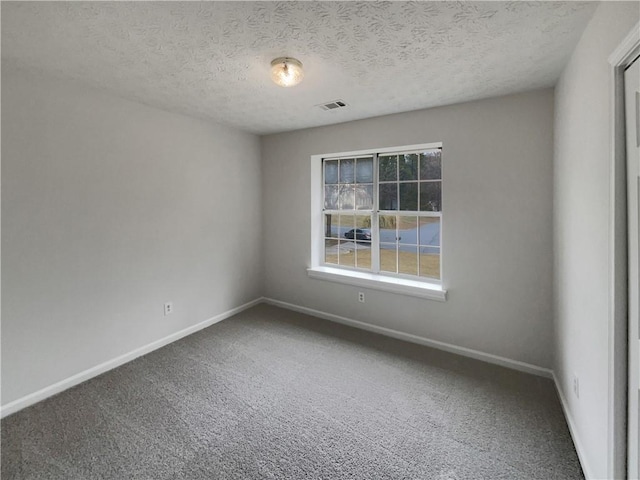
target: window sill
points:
(402, 286)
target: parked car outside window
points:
(358, 234)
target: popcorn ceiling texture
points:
(211, 59)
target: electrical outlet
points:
(576, 386)
(168, 308)
(361, 297)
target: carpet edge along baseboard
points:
(46, 392)
(448, 347)
(62, 385)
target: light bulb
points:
(286, 71)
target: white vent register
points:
(333, 105)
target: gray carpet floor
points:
(273, 394)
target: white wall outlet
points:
(361, 297)
(168, 308)
(576, 386)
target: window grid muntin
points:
(418, 180)
(339, 239)
(352, 185)
(418, 246)
(375, 212)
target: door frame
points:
(618, 282)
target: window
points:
(381, 213)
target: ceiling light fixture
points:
(286, 71)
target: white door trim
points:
(618, 340)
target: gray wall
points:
(497, 201)
(582, 228)
(109, 209)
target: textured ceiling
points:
(211, 59)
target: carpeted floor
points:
(275, 394)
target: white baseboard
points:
(74, 380)
(467, 352)
(573, 431)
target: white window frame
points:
(423, 287)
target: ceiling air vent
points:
(333, 105)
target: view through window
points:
(383, 213)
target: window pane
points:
(408, 259)
(429, 236)
(331, 171)
(387, 228)
(409, 196)
(429, 231)
(388, 196)
(364, 197)
(363, 222)
(347, 224)
(388, 262)
(331, 226)
(363, 255)
(409, 166)
(347, 197)
(347, 254)
(408, 230)
(388, 168)
(363, 244)
(430, 262)
(347, 173)
(364, 170)
(331, 197)
(331, 251)
(430, 165)
(430, 196)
